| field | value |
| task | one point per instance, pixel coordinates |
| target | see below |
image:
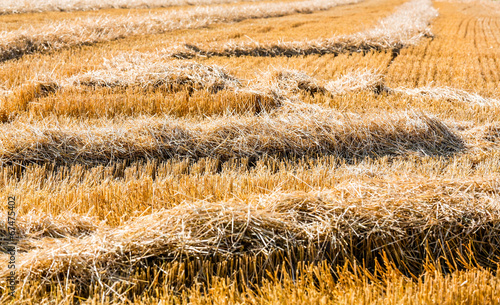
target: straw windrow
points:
(359, 225)
(33, 225)
(403, 28)
(293, 130)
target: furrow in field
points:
(489, 65)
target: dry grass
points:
(63, 34)
(404, 27)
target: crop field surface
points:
(250, 152)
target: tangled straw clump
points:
(411, 222)
(136, 71)
(357, 81)
(404, 27)
(292, 81)
(58, 35)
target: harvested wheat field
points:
(260, 152)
